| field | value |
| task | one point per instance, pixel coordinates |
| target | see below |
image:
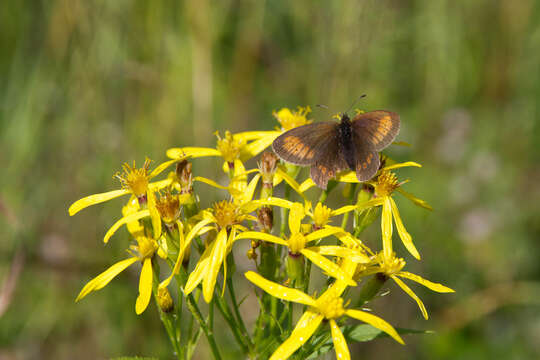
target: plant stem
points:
(239, 319)
(194, 309)
(371, 288)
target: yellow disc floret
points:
(386, 183)
(135, 180)
(291, 119)
(226, 213)
(330, 305)
(229, 147)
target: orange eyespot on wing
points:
(375, 130)
(304, 145)
(331, 162)
(367, 164)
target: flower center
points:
(147, 246)
(321, 215)
(168, 206)
(387, 182)
(291, 119)
(229, 147)
(297, 242)
(331, 306)
(225, 213)
(391, 265)
(135, 180)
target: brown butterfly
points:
(330, 147)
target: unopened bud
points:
(265, 215)
(267, 167)
(183, 171)
(164, 299)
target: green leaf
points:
(358, 333)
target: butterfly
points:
(330, 147)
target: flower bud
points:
(183, 171)
(265, 215)
(164, 300)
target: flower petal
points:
(403, 234)
(195, 230)
(343, 210)
(306, 326)
(209, 182)
(124, 220)
(158, 185)
(145, 287)
(95, 199)
(340, 345)
(296, 214)
(289, 180)
(430, 285)
(154, 214)
(307, 184)
(105, 277)
(415, 200)
(340, 251)
(411, 294)
(400, 165)
(261, 236)
(328, 266)
(196, 276)
(279, 291)
(347, 177)
(324, 232)
(256, 135)
(193, 152)
(376, 322)
(386, 227)
(257, 146)
(217, 256)
(159, 169)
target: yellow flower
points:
(297, 243)
(145, 249)
(134, 181)
(290, 119)
(329, 306)
(233, 148)
(391, 266)
(227, 217)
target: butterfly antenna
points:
(355, 101)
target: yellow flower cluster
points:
(197, 243)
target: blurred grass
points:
(89, 85)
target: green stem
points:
(236, 309)
(194, 309)
(229, 319)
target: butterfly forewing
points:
(330, 163)
(305, 145)
(376, 129)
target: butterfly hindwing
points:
(367, 163)
(306, 144)
(376, 129)
(331, 162)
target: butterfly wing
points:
(306, 144)
(367, 163)
(375, 130)
(329, 164)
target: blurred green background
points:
(87, 85)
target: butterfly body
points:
(330, 147)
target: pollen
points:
(290, 119)
(168, 206)
(226, 213)
(146, 246)
(391, 265)
(387, 182)
(135, 180)
(331, 306)
(229, 147)
(297, 242)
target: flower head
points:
(290, 119)
(135, 179)
(229, 147)
(168, 206)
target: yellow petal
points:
(430, 285)
(279, 291)
(331, 268)
(386, 227)
(324, 232)
(347, 177)
(343, 210)
(105, 277)
(340, 345)
(340, 251)
(159, 169)
(217, 256)
(289, 180)
(145, 287)
(255, 147)
(296, 214)
(307, 184)
(250, 190)
(126, 219)
(376, 322)
(196, 276)
(273, 201)
(95, 199)
(403, 234)
(411, 294)
(256, 135)
(400, 165)
(193, 152)
(158, 185)
(154, 214)
(306, 326)
(195, 231)
(415, 200)
(209, 182)
(261, 236)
